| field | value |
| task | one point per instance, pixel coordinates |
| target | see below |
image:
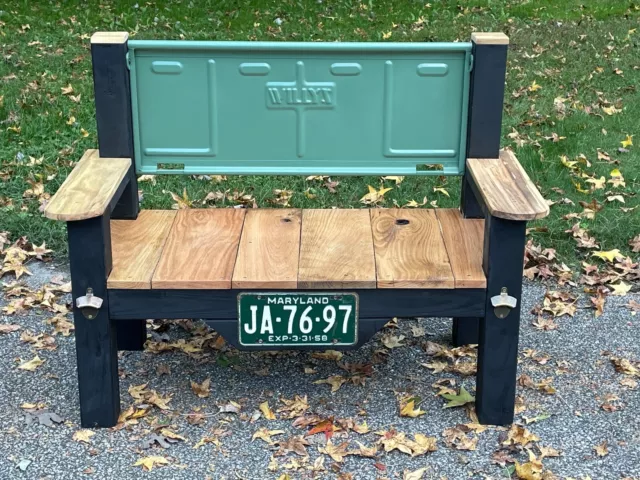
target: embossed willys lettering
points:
(300, 96)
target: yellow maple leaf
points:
(32, 364)
(579, 188)
(394, 178)
(71, 120)
(84, 133)
(148, 463)
(568, 163)
(440, 190)
(265, 435)
(620, 289)
(617, 180)
(534, 87)
(386, 35)
(266, 411)
(627, 142)
(609, 255)
(408, 409)
(374, 196)
(83, 435)
(598, 183)
(67, 90)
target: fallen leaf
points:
(83, 435)
(265, 435)
(374, 196)
(609, 255)
(391, 341)
(336, 381)
(266, 411)
(201, 389)
(627, 142)
(336, 452)
(602, 450)
(408, 409)
(32, 364)
(620, 288)
(415, 475)
(462, 398)
(148, 463)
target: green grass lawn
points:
(582, 56)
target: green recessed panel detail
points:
(299, 108)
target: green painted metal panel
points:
(299, 108)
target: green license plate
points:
(292, 319)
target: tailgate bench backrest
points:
(199, 107)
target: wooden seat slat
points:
(290, 248)
(336, 250)
(409, 250)
(269, 248)
(136, 247)
(201, 250)
(463, 238)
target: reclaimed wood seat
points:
(297, 249)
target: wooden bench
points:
(293, 108)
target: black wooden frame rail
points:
(223, 304)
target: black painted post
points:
(112, 89)
(131, 334)
(484, 126)
(498, 344)
(486, 96)
(96, 350)
(465, 331)
(113, 110)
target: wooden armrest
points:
(89, 188)
(506, 189)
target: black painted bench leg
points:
(498, 343)
(465, 331)
(131, 334)
(96, 348)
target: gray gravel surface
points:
(580, 371)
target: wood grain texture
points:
(336, 250)
(109, 37)
(137, 246)
(201, 250)
(409, 250)
(269, 249)
(506, 189)
(463, 239)
(88, 189)
(489, 38)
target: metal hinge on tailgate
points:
(470, 65)
(128, 59)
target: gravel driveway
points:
(570, 392)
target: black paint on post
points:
(498, 342)
(470, 206)
(96, 350)
(131, 334)
(113, 111)
(465, 331)
(484, 125)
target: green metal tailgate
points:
(299, 108)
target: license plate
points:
(292, 319)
